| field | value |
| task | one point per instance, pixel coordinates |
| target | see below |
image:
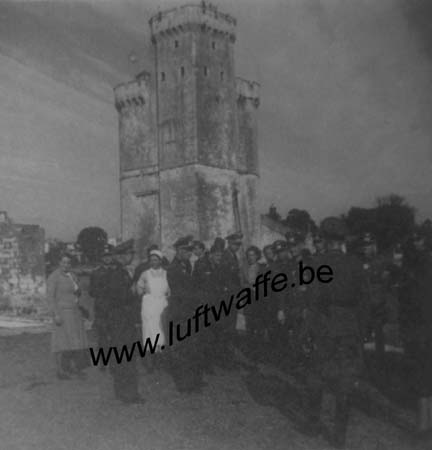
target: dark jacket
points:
(183, 299)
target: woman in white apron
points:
(153, 287)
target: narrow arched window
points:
(162, 76)
(182, 71)
(205, 71)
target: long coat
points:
(336, 329)
(63, 302)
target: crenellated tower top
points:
(133, 93)
(203, 16)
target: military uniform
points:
(230, 266)
(415, 323)
(97, 290)
(302, 298)
(280, 331)
(336, 362)
(231, 280)
(208, 282)
(187, 363)
(374, 309)
(122, 320)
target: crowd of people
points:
(320, 329)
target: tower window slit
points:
(182, 71)
(222, 75)
(205, 71)
(162, 76)
(176, 43)
(214, 45)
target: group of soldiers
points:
(319, 328)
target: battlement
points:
(203, 16)
(248, 89)
(133, 93)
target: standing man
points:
(231, 284)
(336, 361)
(415, 316)
(123, 318)
(97, 290)
(208, 281)
(375, 298)
(199, 254)
(184, 299)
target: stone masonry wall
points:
(22, 269)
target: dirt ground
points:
(37, 411)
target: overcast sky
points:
(345, 114)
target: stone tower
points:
(188, 135)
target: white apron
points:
(154, 301)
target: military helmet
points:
(333, 228)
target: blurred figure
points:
(231, 282)
(153, 289)
(98, 281)
(415, 316)
(198, 252)
(208, 277)
(375, 297)
(122, 323)
(187, 367)
(254, 312)
(69, 337)
(269, 255)
(336, 361)
(319, 245)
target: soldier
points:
(255, 315)
(269, 255)
(208, 280)
(231, 284)
(301, 299)
(375, 305)
(97, 290)
(333, 323)
(415, 322)
(270, 306)
(122, 323)
(187, 363)
(230, 263)
(279, 333)
(319, 245)
(200, 255)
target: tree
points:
(395, 221)
(300, 220)
(92, 241)
(361, 220)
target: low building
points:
(22, 267)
